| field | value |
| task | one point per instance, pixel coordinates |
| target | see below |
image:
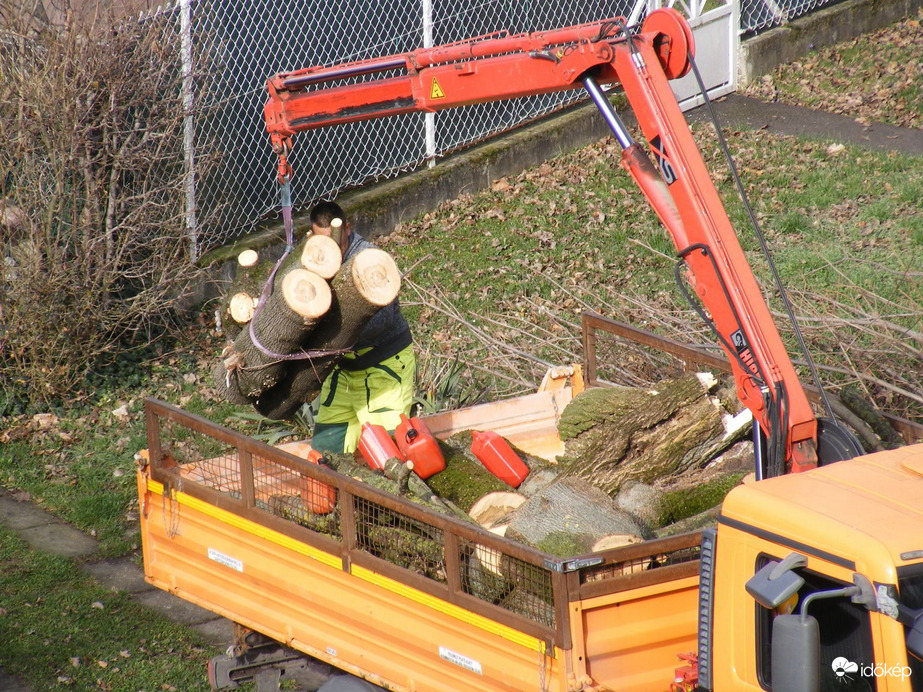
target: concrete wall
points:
(761, 54)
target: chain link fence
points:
(232, 48)
(759, 15)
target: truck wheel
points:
(348, 683)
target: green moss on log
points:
(681, 504)
(464, 480)
(564, 544)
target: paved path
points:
(752, 114)
(45, 532)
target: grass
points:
(871, 78)
(510, 268)
(63, 631)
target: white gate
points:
(717, 40)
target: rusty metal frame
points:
(348, 490)
(565, 575)
(592, 322)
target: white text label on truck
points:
(459, 660)
(225, 560)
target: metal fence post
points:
(188, 127)
(429, 119)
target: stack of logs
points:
(625, 450)
(308, 315)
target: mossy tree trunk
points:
(616, 434)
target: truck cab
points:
(860, 517)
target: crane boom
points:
(676, 183)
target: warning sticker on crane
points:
(435, 91)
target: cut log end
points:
(321, 255)
(241, 307)
(495, 508)
(306, 293)
(376, 276)
(248, 258)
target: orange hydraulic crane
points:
(676, 183)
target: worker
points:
(374, 382)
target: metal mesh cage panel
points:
(399, 539)
(639, 564)
(200, 457)
(295, 496)
(509, 582)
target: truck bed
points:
(226, 525)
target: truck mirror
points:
(776, 582)
(795, 653)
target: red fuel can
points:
(318, 497)
(376, 446)
(498, 457)
(419, 446)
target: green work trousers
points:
(348, 398)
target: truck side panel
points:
(359, 621)
(392, 591)
(634, 636)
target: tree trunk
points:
(616, 434)
(288, 315)
(365, 283)
(568, 517)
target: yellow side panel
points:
(395, 636)
(633, 637)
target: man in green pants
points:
(374, 382)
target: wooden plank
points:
(530, 422)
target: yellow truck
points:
(811, 579)
(225, 524)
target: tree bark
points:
(363, 284)
(288, 315)
(616, 434)
(568, 517)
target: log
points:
(464, 479)
(414, 488)
(241, 307)
(248, 280)
(301, 383)
(321, 254)
(287, 316)
(248, 257)
(493, 509)
(616, 434)
(364, 283)
(567, 518)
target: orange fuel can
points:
(419, 446)
(498, 457)
(318, 497)
(376, 446)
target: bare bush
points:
(94, 240)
